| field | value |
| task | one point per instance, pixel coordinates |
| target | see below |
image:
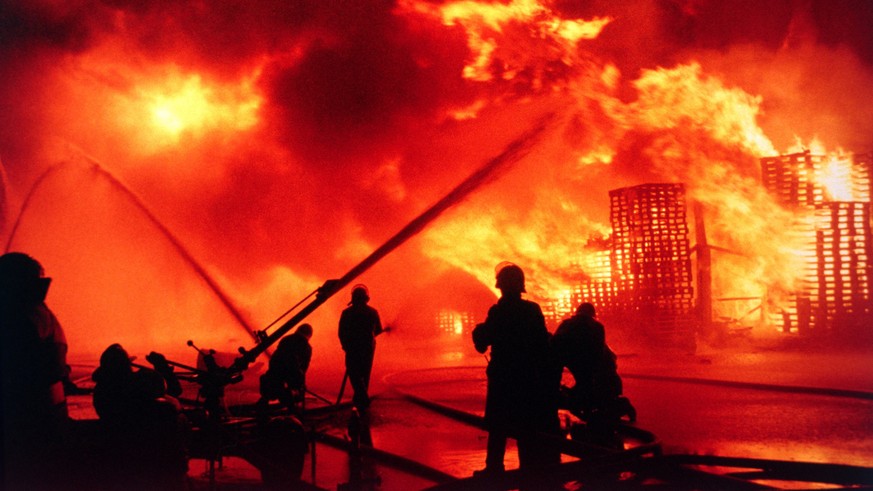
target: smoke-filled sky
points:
(281, 142)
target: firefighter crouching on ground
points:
(142, 429)
(285, 379)
(580, 345)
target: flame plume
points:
(283, 141)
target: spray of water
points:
(513, 152)
(101, 172)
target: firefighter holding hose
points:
(523, 381)
(358, 327)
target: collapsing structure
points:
(831, 197)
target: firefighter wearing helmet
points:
(358, 327)
(523, 382)
(34, 367)
(510, 278)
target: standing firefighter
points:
(33, 365)
(522, 381)
(358, 327)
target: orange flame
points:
(685, 125)
(670, 98)
(835, 176)
(487, 25)
(179, 105)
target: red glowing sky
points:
(281, 142)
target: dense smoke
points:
(281, 142)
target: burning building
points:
(830, 195)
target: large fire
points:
(283, 141)
(489, 25)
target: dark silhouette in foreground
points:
(285, 378)
(142, 429)
(275, 445)
(35, 424)
(358, 327)
(580, 345)
(523, 381)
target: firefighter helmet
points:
(22, 279)
(510, 277)
(586, 310)
(360, 294)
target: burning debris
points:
(641, 278)
(831, 197)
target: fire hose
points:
(515, 151)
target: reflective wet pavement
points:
(772, 409)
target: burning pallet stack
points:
(595, 287)
(598, 289)
(639, 278)
(836, 228)
(451, 322)
(651, 265)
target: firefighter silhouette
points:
(358, 327)
(580, 345)
(33, 367)
(285, 378)
(523, 382)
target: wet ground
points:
(762, 401)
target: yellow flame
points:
(575, 30)
(458, 326)
(683, 95)
(492, 15)
(833, 171)
(815, 146)
(485, 22)
(189, 104)
(835, 177)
